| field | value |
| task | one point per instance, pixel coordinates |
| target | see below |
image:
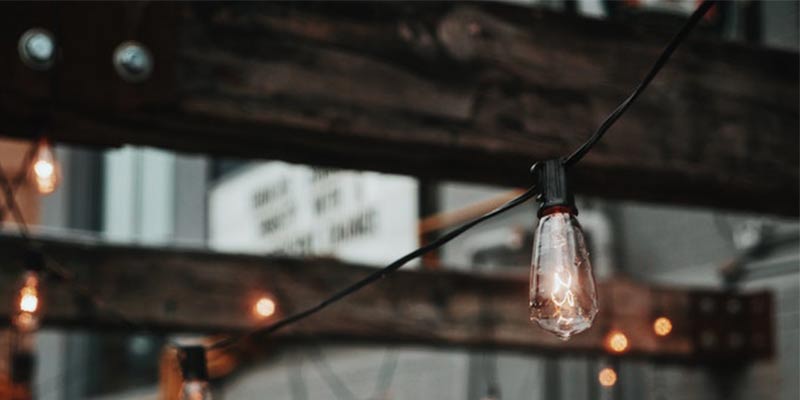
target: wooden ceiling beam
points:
(161, 290)
(472, 92)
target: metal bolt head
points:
(37, 48)
(133, 61)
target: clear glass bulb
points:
(563, 297)
(27, 303)
(44, 168)
(195, 390)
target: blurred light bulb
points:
(617, 342)
(44, 169)
(195, 374)
(27, 303)
(195, 390)
(563, 298)
(264, 307)
(607, 377)
(662, 326)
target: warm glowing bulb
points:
(662, 326)
(563, 298)
(27, 303)
(607, 377)
(195, 390)
(265, 307)
(45, 168)
(617, 342)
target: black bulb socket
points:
(553, 183)
(193, 363)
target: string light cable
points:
(51, 266)
(379, 274)
(567, 162)
(673, 44)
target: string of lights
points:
(563, 295)
(559, 311)
(49, 264)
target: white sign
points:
(275, 207)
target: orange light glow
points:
(607, 377)
(44, 168)
(29, 300)
(265, 307)
(617, 342)
(25, 321)
(662, 326)
(28, 303)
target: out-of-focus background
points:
(133, 195)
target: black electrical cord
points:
(531, 192)
(377, 275)
(662, 59)
(569, 161)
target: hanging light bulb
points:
(44, 168)
(195, 374)
(28, 301)
(563, 297)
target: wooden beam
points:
(472, 92)
(169, 290)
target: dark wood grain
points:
(172, 290)
(472, 92)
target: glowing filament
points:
(265, 307)
(44, 168)
(28, 303)
(29, 300)
(568, 297)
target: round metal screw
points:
(133, 61)
(37, 48)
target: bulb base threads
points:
(554, 190)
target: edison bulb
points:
(563, 297)
(195, 390)
(28, 303)
(44, 168)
